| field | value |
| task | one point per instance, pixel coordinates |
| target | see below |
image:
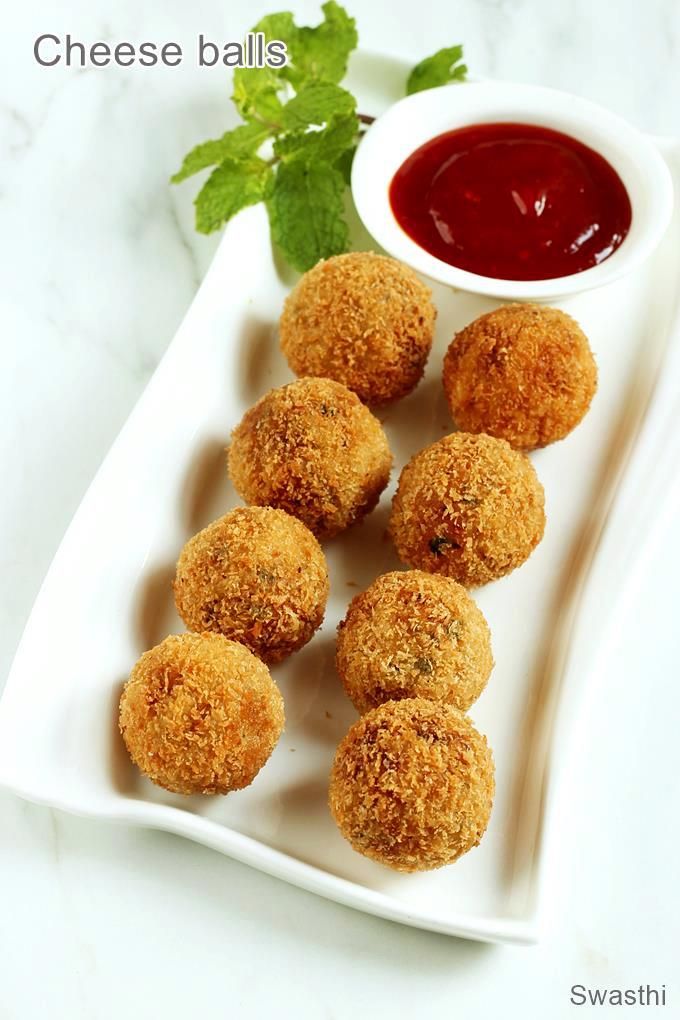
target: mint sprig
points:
(236, 183)
(244, 140)
(442, 67)
(301, 128)
(315, 105)
(306, 212)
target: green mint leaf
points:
(236, 183)
(257, 89)
(244, 140)
(317, 54)
(321, 53)
(314, 134)
(278, 26)
(442, 67)
(327, 145)
(256, 95)
(344, 164)
(316, 104)
(305, 206)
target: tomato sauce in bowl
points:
(511, 201)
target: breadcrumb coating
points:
(413, 635)
(256, 575)
(200, 714)
(523, 372)
(362, 319)
(313, 449)
(469, 507)
(412, 785)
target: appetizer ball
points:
(200, 714)
(256, 575)
(412, 785)
(469, 507)
(311, 448)
(524, 373)
(413, 635)
(365, 320)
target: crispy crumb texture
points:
(362, 319)
(468, 506)
(524, 373)
(200, 714)
(413, 634)
(412, 785)
(256, 575)
(313, 449)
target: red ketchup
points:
(511, 201)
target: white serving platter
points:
(107, 596)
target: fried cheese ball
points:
(365, 320)
(313, 449)
(524, 373)
(256, 575)
(413, 635)
(200, 714)
(412, 785)
(469, 507)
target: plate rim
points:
(254, 852)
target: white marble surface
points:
(98, 264)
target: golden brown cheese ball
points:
(313, 449)
(200, 714)
(256, 575)
(469, 507)
(413, 635)
(524, 373)
(365, 320)
(412, 785)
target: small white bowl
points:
(418, 118)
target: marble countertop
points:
(99, 264)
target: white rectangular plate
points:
(107, 596)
